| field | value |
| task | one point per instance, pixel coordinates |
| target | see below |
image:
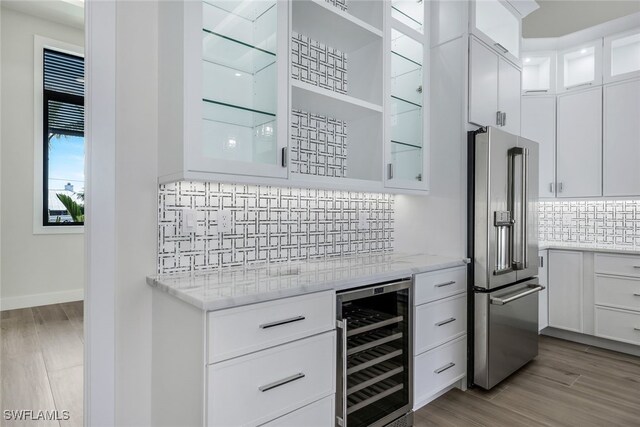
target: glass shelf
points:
(406, 78)
(625, 55)
(406, 46)
(238, 55)
(408, 162)
(406, 122)
(246, 9)
(409, 12)
(231, 132)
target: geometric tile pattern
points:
(318, 145)
(317, 64)
(602, 222)
(269, 224)
(340, 4)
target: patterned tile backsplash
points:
(318, 145)
(269, 224)
(615, 222)
(318, 64)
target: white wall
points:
(36, 269)
(136, 201)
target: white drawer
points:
(617, 291)
(439, 322)
(439, 368)
(439, 284)
(242, 330)
(624, 265)
(318, 414)
(254, 389)
(618, 325)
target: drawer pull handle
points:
(636, 329)
(637, 294)
(444, 322)
(282, 322)
(445, 367)
(440, 285)
(281, 382)
(636, 266)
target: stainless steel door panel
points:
(506, 331)
(531, 267)
(492, 249)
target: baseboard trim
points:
(620, 347)
(35, 300)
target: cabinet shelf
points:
(408, 145)
(329, 25)
(408, 12)
(226, 51)
(235, 114)
(248, 10)
(317, 100)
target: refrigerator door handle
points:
(524, 204)
(521, 212)
(532, 289)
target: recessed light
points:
(238, 74)
(583, 51)
(527, 59)
(231, 143)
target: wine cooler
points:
(374, 369)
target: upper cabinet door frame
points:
(572, 54)
(499, 44)
(633, 36)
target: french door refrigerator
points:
(503, 247)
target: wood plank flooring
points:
(41, 362)
(568, 384)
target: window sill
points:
(70, 229)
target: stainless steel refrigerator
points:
(503, 247)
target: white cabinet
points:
(440, 329)
(579, 144)
(509, 96)
(538, 73)
(494, 89)
(580, 66)
(543, 296)
(622, 56)
(621, 144)
(221, 71)
(565, 290)
(497, 24)
(539, 125)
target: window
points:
(63, 139)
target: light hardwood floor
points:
(568, 384)
(41, 362)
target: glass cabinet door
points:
(497, 24)
(406, 121)
(622, 56)
(240, 125)
(580, 67)
(409, 12)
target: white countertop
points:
(236, 286)
(592, 247)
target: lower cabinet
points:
(565, 290)
(440, 350)
(318, 414)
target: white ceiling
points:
(66, 12)
(556, 18)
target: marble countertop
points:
(236, 286)
(592, 247)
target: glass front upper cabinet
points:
(240, 108)
(406, 111)
(622, 56)
(538, 72)
(409, 12)
(580, 67)
(496, 23)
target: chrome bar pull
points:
(636, 294)
(444, 322)
(551, 187)
(636, 266)
(284, 157)
(390, 170)
(502, 48)
(498, 118)
(444, 368)
(440, 285)
(504, 119)
(281, 382)
(282, 322)
(503, 301)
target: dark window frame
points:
(67, 98)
